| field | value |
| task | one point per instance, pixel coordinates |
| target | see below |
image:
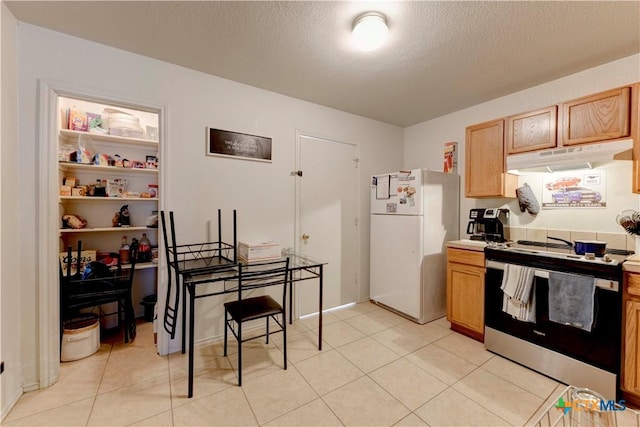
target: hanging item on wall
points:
(527, 200)
(584, 188)
(238, 145)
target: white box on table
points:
(258, 251)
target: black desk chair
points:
(251, 277)
(105, 287)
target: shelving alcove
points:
(99, 234)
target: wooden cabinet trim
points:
(633, 284)
(462, 256)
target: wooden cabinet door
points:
(465, 296)
(631, 379)
(532, 131)
(599, 117)
(484, 162)
(635, 134)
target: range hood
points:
(568, 158)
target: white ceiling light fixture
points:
(370, 30)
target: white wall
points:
(262, 193)
(424, 142)
(10, 278)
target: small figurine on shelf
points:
(121, 218)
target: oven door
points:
(600, 347)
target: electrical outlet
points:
(1, 367)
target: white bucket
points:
(80, 339)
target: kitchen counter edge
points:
(471, 245)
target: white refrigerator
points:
(413, 214)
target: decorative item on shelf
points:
(152, 133)
(144, 249)
(153, 190)
(121, 218)
(116, 187)
(94, 121)
(77, 119)
(122, 124)
(630, 220)
(78, 191)
(124, 251)
(109, 258)
(152, 221)
(100, 188)
(101, 159)
(71, 221)
(152, 162)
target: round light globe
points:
(370, 31)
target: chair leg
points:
(267, 329)
(226, 325)
(239, 353)
(284, 337)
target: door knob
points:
(305, 237)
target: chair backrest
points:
(170, 250)
(259, 275)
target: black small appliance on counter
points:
(487, 224)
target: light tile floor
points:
(376, 368)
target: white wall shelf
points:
(74, 135)
(104, 229)
(68, 166)
(107, 199)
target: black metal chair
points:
(78, 293)
(252, 277)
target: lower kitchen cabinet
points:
(630, 382)
(465, 292)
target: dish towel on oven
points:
(571, 299)
(518, 292)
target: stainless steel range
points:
(573, 352)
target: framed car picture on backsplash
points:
(576, 189)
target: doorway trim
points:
(298, 199)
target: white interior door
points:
(327, 216)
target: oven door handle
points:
(606, 284)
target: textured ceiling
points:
(440, 56)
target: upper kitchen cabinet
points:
(485, 173)
(600, 117)
(531, 131)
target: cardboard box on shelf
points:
(258, 251)
(65, 190)
(85, 258)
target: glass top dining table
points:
(198, 274)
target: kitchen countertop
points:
(470, 245)
(632, 264)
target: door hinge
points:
(1, 367)
(296, 173)
(356, 161)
